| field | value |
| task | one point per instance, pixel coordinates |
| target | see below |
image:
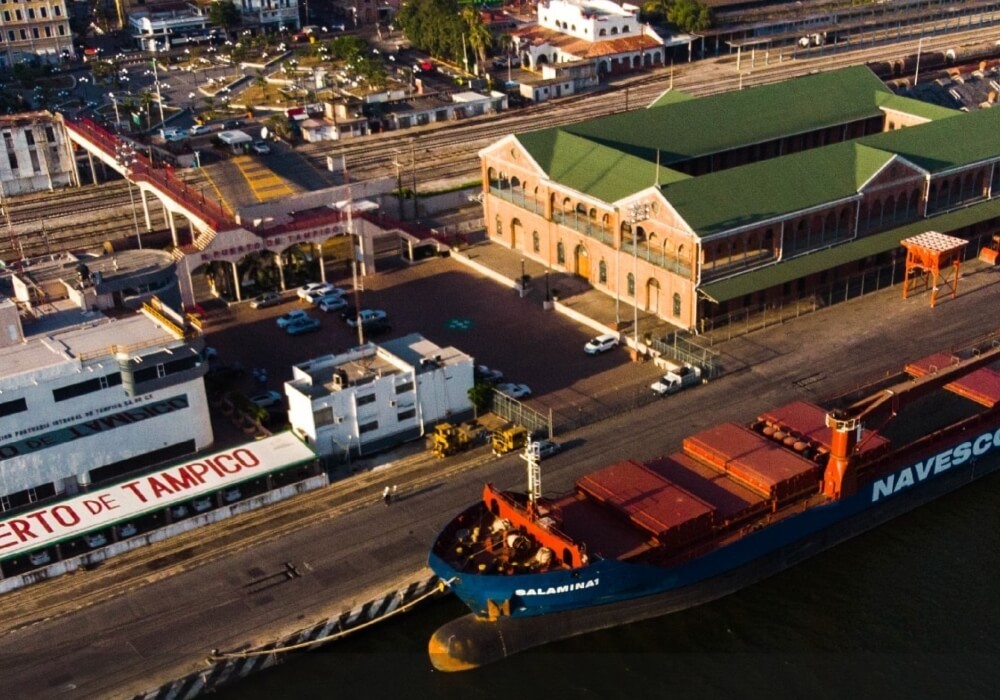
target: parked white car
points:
(515, 391)
(601, 344)
(332, 302)
(285, 320)
(366, 317)
(486, 374)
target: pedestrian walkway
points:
(575, 295)
(265, 184)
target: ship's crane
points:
(840, 478)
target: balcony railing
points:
(584, 225)
(725, 268)
(518, 198)
(671, 263)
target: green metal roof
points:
(741, 196)
(681, 130)
(947, 143)
(588, 166)
(816, 262)
(670, 97)
(908, 105)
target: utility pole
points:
(638, 213)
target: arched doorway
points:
(515, 230)
(582, 262)
(653, 295)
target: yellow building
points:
(697, 208)
(34, 29)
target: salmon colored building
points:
(696, 209)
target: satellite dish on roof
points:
(264, 132)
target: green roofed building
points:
(694, 208)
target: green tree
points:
(101, 70)
(433, 26)
(347, 48)
(371, 71)
(146, 102)
(478, 35)
(261, 81)
(224, 13)
(655, 10)
(278, 124)
(481, 395)
(690, 15)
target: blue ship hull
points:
(557, 604)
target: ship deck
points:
(606, 535)
(731, 478)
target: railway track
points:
(449, 152)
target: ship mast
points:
(531, 456)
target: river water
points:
(909, 610)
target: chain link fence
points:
(750, 319)
(513, 411)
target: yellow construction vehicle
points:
(508, 439)
(448, 439)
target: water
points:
(908, 610)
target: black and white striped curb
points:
(241, 663)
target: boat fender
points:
(515, 541)
(543, 556)
(499, 525)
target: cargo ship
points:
(736, 504)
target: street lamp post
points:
(399, 184)
(118, 119)
(125, 155)
(638, 213)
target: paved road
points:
(350, 547)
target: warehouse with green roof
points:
(697, 208)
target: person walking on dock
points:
(386, 496)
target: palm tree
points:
(477, 34)
(261, 82)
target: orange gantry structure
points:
(926, 254)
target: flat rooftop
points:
(66, 350)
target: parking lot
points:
(452, 306)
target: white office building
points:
(272, 15)
(86, 398)
(376, 396)
(35, 154)
(160, 27)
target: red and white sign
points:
(148, 493)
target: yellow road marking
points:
(264, 184)
(218, 193)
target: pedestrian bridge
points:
(206, 217)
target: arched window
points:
(602, 272)
(536, 244)
(561, 253)
(677, 305)
(631, 285)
